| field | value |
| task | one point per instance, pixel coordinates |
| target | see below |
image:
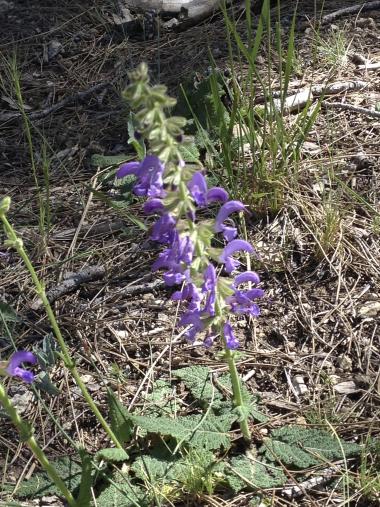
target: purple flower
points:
(176, 259)
(231, 340)
(153, 206)
(194, 320)
(217, 194)
(198, 189)
(247, 276)
(190, 293)
(13, 369)
(209, 339)
(210, 287)
(243, 302)
(225, 211)
(149, 174)
(234, 246)
(163, 230)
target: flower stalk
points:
(175, 193)
(16, 242)
(26, 436)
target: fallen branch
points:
(350, 107)
(69, 285)
(353, 9)
(301, 488)
(144, 288)
(72, 99)
(369, 66)
(318, 90)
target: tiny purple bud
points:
(13, 369)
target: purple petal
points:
(225, 211)
(231, 340)
(173, 278)
(248, 276)
(163, 230)
(235, 246)
(14, 370)
(198, 188)
(229, 233)
(153, 206)
(209, 276)
(128, 168)
(255, 293)
(216, 194)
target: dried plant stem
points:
(26, 436)
(16, 242)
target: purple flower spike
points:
(243, 302)
(13, 369)
(198, 188)
(225, 211)
(217, 194)
(231, 340)
(234, 246)
(248, 276)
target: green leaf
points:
(197, 431)
(84, 496)
(196, 379)
(249, 401)
(7, 314)
(121, 423)
(122, 494)
(247, 474)
(303, 447)
(153, 470)
(111, 455)
(160, 400)
(40, 484)
(44, 383)
(189, 152)
(102, 161)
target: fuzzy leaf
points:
(122, 495)
(112, 455)
(196, 379)
(102, 161)
(208, 433)
(189, 152)
(40, 484)
(121, 423)
(247, 474)
(7, 313)
(303, 447)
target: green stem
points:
(68, 361)
(236, 389)
(26, 436)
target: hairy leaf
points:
(112, 455)
(40, 484)
(209, 433)
(122, 494)
(248, 474)
(121, 423)
(303, 447)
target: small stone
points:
(370, 309)
(345, 363)
(346, 387)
